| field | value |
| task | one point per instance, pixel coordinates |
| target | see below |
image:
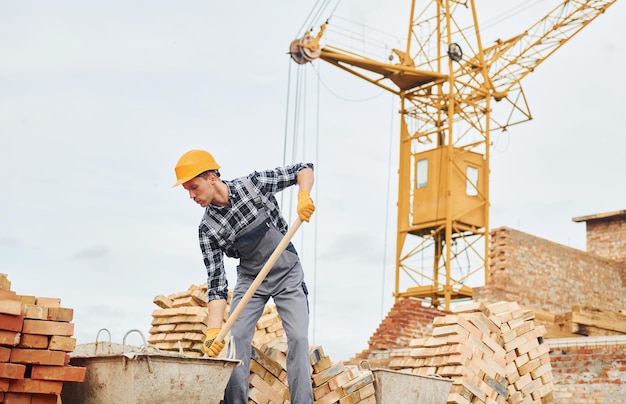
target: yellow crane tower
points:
(454, 91)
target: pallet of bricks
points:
(180, 324)
(494, 353)
(35, 342)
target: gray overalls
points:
(285, 284)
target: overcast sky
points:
(99, 99)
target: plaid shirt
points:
(240, 212)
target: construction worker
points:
(242, 220)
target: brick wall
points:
(538, 273)
(406, 320)
(607, 238)
(589, 374)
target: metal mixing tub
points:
(393, 387)
(119, 374)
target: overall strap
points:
(260, 200)
(211, 222)
(219, 229)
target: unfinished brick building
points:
(579, 296)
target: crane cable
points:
(295, 133)
(291, 135)
(315, 16)
(298, 111)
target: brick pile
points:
(591, 322)
(35, 342)
(181, 322)
(268, 377)
(333, 382)
(494, 353)
(406, 320)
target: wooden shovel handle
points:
(259, 278)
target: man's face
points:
(201, 190)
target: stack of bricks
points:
(591, 322)
(335, 382)
(35, 342)
(529, 371)
(494, 353)
(181, 322)
(268, 376)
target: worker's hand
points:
(211, 346)
(305, 205)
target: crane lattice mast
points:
(454, 92)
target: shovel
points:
(259, 278)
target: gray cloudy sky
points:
(99, 99)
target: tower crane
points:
(454, 92)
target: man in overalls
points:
(242, 220)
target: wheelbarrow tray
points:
(393, 387)
(153, 378)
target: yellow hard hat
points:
(193, 163)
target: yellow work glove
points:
(210, 346)
(305, 205)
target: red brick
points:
(9, 338)
(34, 341)
(35, 386)
(31, 311)
(11, 322)
(8, 294)
(17, 398)
(60, 314)
(48, 327)
(48, 301)
(44, 399)
(26, 299)
(5, 354)
(62, 373)
(4, 385)
(37, 312)
(12, 307)
(12, 371)
(61, 343)
(38, 357)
